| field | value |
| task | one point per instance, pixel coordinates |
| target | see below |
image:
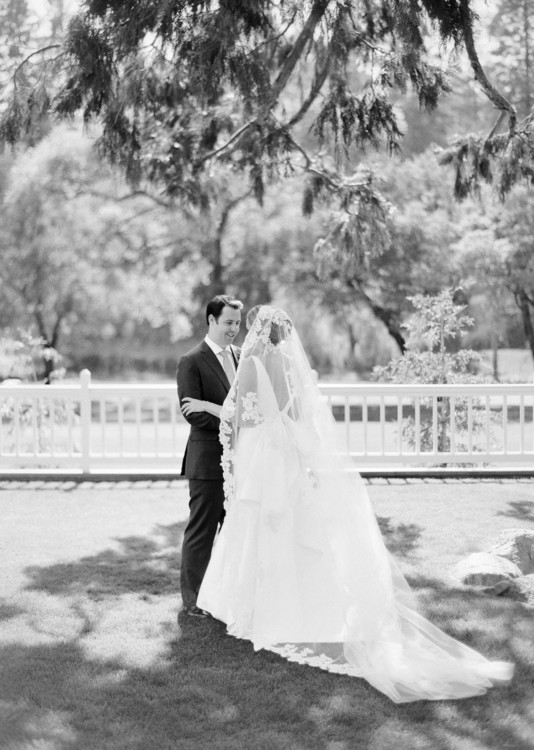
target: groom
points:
(206, 373)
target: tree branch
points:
(238, 133)
(500, 102)
(129, 196)
(217, 271)
(316, 14)
(383, 314)
(32, 54)
(41, 325)
(314, 91)
(309, 167)
(56, 330)
(276, 37)
(494, 129)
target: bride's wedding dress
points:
(300, 566)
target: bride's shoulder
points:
(249, 364)
(252, 359)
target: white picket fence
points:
(94, 427)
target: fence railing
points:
(93, 427)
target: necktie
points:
(226, 357)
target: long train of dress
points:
(300, 568)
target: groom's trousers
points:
(206, 514)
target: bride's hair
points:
(251, 316)
(266, 325)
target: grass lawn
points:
(92, 658)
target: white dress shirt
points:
(216, 349)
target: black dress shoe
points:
(194, 611)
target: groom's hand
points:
(189, 381)
(191, 405)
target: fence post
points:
(85, 419)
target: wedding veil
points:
(355, 611)
(274, 377)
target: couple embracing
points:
(299, 566)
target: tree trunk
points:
(387, 317)
(48, 370)
(524, 305)
(217, 276)
(495, 355)
(496, 98)
(526, 31)
(217, 270)
(351, 364)
(49, 341)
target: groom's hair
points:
(216, 305)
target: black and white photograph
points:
(266, 374)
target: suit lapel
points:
(211, 360)
(235, 355)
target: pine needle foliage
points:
(505, 155)
(265, 87)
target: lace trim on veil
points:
(328, 559)
(270, 329)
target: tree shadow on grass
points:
(216, 691)
(522, 510)
(212, 690)
(8, 610)
(151, 565)
(350, 711)
(401, 539)
(144, 565)
(501, 630)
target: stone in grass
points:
(524, 589)
(516, 545)
(520, 589)
(485, 569)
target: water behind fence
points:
(121, 427)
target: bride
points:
(300, 566)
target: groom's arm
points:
(190, 384)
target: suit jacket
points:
(201, 375)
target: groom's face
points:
(224, 330)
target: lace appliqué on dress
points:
(250, 413)
(228, 453)
(302, 655)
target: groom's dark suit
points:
(201, 375)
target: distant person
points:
(300, 566)
(205, 373)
